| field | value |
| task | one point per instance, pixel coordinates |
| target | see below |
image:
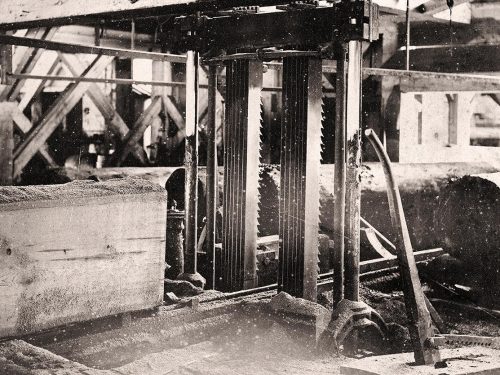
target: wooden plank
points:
(55, 115)
(6, 143)
(88, 251)
(138, 129)
(89, 49)
(353, 167)
(24, 125)
(104, 105)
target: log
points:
(420, 185)
(468, 220)
(79, 251)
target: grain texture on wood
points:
(79, 251)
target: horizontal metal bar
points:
(326, 278)
(121, 81)
(260, 55)
(118, 81)
(96, 50)
(412, 74)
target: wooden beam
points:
(6, 143)
(415, 81)
(26, 65)
(89, 49)
(25, 125)
(30, 33)
(36, 87)
(102, 243)
(18, 14)
(174, 113)
(178, 119)
(137, 131)
(444, 84)
(59, 109)
(436, 6)
(463, 58)
(104, 105)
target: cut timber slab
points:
(459, 361)
(79, 251)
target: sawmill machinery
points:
(298, 39)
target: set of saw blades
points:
(299, 192)
(300, 162)
(237, 269)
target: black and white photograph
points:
(254, 187)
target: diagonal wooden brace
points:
(103, 103)
(59, 109)
(135, 134)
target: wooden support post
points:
(339, 178)
(300, 162)
(237, 269)
(6, 143)
(452, 119)
(191, 164)
(353, 166)
(5, 64)
(212, 191)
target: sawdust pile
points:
(78, 189)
